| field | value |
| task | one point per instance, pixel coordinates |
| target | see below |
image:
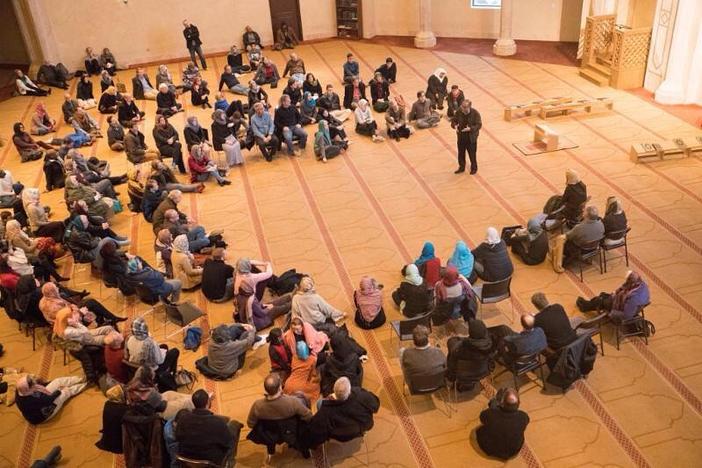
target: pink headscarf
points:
(369, 298)
(315, 339)
(24, 387)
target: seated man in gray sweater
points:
(588, 230)
(423, 359)
(422, 113)
(226, 350)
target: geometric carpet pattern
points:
(369, 212)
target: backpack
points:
(193, 336)
(285, 283)
(62, 72)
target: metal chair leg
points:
(626, 252)
(34, 338)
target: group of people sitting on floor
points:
(315, 362)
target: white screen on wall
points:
(486, 3)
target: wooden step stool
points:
(546, 134)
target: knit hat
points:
(140, 329)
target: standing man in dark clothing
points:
(467, 123)
(503, 424)
(193, 43)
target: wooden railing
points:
(598, 38)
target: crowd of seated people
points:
(315, 385)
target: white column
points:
(505, 45)
(674, 89)
(425, 38)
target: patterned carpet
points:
(369, 212)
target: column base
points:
(504, 47)
(424, 40)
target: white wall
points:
(532, 19)
(151, 30)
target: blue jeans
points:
(197, 238)
(240, 89)
(288, 137)
(198, 50)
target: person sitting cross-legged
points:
(422, 113)
(226, 351)
(501, 434)
(203, 435)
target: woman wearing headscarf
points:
(52, 302)
(252, 311)
(492, 262)
(303, 378)
(143, 350)
(41, 122)
(437, 88)
(462, 259)
(183, 261)
(96, 225)
(54, 171)
(614, 221)
(429, 265)
(469, 358)
(412, 297)
(343, 361)
(255, 272)
(279, 353)
(39, 222)
(114, 355)
(368, 299)
(308, 109)
(312, 308)
(530, 244)
(201, 167)
(168, 141)
(108, 101)
(163, 246)
(622, 304)
(365, 125)
(194, 133)
(27, 147)
(224, 138)
(163, 76)
(453, 297)
(105, 80)
(324, 147)
(573, 199)
(302, 331)
(39, 401)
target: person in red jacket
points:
(201, 167)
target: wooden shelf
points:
(349, 19)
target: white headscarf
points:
(493, 237)
(181, 244)
(438, 72)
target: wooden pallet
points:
(523, 110)
(670, 149)
(584, 104)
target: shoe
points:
(121, 238)
(216, 232)
(225, 182)
(200, 188)
(119, 319)
(324, 160)
(473, 171)
(296, 153)
(459, 170)
(62, 278)
(580, 302)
